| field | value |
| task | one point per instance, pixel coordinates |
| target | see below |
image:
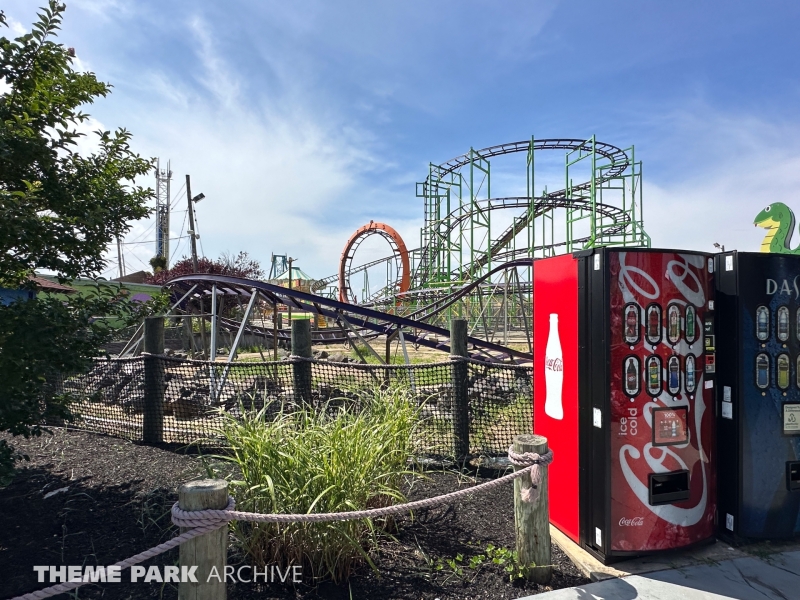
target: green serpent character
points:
(778, 220)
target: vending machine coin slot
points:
(667, 488)
(793, 475)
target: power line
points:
(172, 239)
(177, 197)
(180, 236)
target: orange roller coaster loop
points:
(399, 250)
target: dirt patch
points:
(91, 499)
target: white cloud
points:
(739, 165)
(276, 176)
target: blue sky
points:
(301, 121)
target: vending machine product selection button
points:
(631, 323)
(691, 373)
(690, 323)
(631, 375)
(762, 370)
(674, 375)
(797, 325)
(653, 324)
(782, 363)
(797, 372)
(673, 324)
(762, 323)
(783, 323)
(653, 375)
(711, 363)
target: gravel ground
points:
(90, 499)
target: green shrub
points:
(313, 461)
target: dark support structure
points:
(153, 418)
(301, 346)
(458, 355)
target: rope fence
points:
(206, 521)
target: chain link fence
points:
(159, 398)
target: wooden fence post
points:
(460, 370)
(532, 521)
(153, 417)
(205, 551)
(301, 346)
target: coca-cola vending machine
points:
(758, 421)
(624, 366)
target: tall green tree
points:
(59, 211)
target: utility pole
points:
(120, 258)
(192, 234)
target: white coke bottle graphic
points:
(553, 372)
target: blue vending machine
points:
(756, 341)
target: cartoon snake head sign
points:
(778, 219)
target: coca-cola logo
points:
(634, 522)
(553, 364)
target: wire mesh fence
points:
(193, 398)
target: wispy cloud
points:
(730, 167)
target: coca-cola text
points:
(634, 522)
(553, 364)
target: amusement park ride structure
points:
(475, 254)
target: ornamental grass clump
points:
(317, 461)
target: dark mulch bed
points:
(113, 497)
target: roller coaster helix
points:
(600, 204)
(476, 251)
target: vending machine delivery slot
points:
(793, 475)
(666, 488)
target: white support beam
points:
(236, 341)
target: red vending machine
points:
(623, 390)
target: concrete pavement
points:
(715, 572)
